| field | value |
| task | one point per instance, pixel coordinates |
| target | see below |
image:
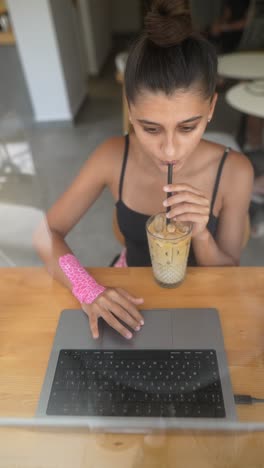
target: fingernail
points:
(166, 189)
(142, 322)
(164, 203)
(137, 328)
(96, 337)
(129, 335)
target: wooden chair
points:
(120, 79)
(246, 232)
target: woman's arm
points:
(97, 301)
(236, 187)
(49, 238)
(215, 28)
(226, 25)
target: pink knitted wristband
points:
(84, 286)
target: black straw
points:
(170, 172)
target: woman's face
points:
(169, 128)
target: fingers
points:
(126, 300)
(136, 300)
(94, 311)
(193, 217)
(187, 204)
(122, 308)
(186, 196)
(93, 320)
(115, 324)
(181, 188)
(114, 304)
(188, 208)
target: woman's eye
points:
(188, 129)
(150, 130)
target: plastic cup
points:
(169, 246)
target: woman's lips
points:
(174, 163)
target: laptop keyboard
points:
(141, 383)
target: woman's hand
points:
(188, 204)
(111, 305)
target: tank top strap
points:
(121, 180)
(218, 176)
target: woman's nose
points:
(169, 148)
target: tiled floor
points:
(45, 160)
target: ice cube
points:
(158, 223)
(182, 228)
(171, 228)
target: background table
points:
(31, 303)
(242, 65)
(243, 98)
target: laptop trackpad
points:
(156, 333)
(170, 329)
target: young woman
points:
(170, 86)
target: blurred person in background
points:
(226, 31)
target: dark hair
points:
(169, 54)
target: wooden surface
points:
(6, 38)
(30, 305)
(3, 8)
(120, 79)
(64, 449)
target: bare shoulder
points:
(103, 166)
(96, 173)
(112, 145)
(238, 168)
(237, 165)
(108, 154)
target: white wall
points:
(49, 59)
(96, 25)
(125, 16)
(65, 19)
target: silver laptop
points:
(173, 370)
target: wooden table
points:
(31, 303)
(248, 98)
(6, 37)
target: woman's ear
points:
(212, 106)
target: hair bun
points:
(168, 22)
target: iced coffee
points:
(169, 245)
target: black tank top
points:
(133, 224)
